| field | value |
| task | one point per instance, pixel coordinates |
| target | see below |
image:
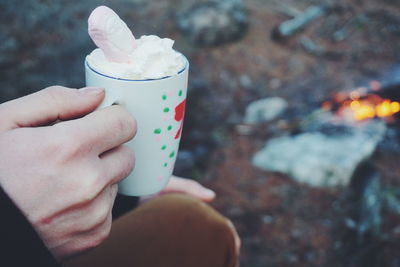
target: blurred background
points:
(292, 115)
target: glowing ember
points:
(327, 105)
(372, 106)
(355, 95)
(375, 85)
(364, 106)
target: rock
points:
(322, 158)
(275, 83)
(350, 223)
(264, 110)
(213, 22)
(245, 81)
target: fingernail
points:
(208, 192)
(91, 90)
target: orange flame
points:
(365, 106)
(372, 106)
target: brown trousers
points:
(169, 231)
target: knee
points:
(201, 226)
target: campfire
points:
(363, 103)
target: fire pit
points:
(332, 141)
(367, 103)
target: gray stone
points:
(264, 110)
(213, 22)
(245, 81)
(322, 159)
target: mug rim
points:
(140, 80)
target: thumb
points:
(189, 187)
(48, 105)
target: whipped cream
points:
(152, 58)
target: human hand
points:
(184, 186)
(64, 177)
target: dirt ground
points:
(281, 222)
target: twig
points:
(290, 27)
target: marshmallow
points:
(111, 35)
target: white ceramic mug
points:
(158, 106)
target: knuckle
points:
(133, 124)
(105, 228)
(58, 146)
(97, 218)
(100, 211)
(52, 149)
(130, 161)
(54, 92)
(125, 123)
(126, 164)
(73, 144)
(84, 195)
(103, 231)
(101, 217)
(72, 147)
(53, 89)
(53, 96)
(86, 187)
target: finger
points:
(189, 187)
(97, 234)
(97, 212)
(84, 241)
(103, 129)
(118, 163)
(87, 224)
(85, 217)
(48, 105)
